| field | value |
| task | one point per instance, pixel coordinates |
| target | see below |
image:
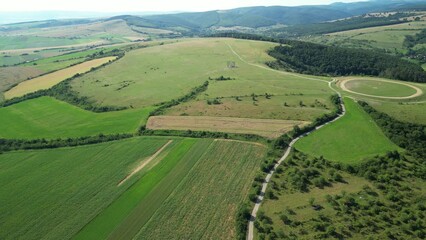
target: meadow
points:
(46, 117)
(52, 194)
(165, 72)
(49, 80)
(349, 140)
(380, 88)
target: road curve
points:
(288, 150)
(269, 176)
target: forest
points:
(316, 59)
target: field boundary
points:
(144, 163)
(342, 84)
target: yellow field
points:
(50, 80)
(270, 128)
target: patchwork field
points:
(80, 186)
(269, 128)
(10, 76)
(348, 140)
(49, 80)
(46, 117)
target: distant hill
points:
(255, 17)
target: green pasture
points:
(348, 140)
(46, 117)
(148, 76)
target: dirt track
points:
(144, 163)
(342, 85)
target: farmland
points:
(49, 80)
(348, 140)
(158, 143)
(184, 165)
(264, 127)
(46, 117)
(51, 194)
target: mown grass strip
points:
(149, 205)
(101, 226)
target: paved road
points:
(268, 177)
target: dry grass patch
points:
(49, 80)
(270, 128)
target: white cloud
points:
(147, 5)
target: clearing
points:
(49, 80)
(270, 128)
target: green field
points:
(46, 117)
(216, 185)
(380, 88)
(406, 112)
(20, 42)
(348, 140)
(74, 192)
(51, 194)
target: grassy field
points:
(348, 140)
(20, 42)
(270, 128)
(406, 112)
(204, 204)
(162, 73)
(51, 194)
(46, 117)
(380, 88)
(390, 37)
(50, 80)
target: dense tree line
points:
(191, 95)
(410, 136)
(18, 144)
(419, 38)
(310, 58)
(317, 59)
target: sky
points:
(147, 5)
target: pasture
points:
(348, 140)
(49, 80)
(46, 117)
(270, 128)
(165, 72)
(52, 194)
